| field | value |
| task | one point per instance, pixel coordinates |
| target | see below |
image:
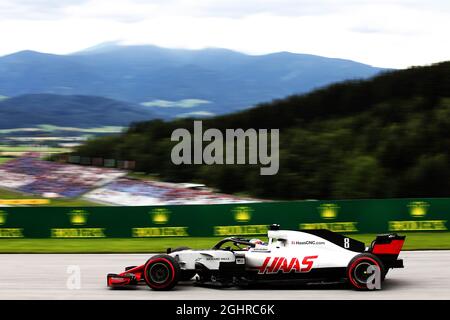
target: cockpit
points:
(238, 244)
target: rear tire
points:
(161, 272)
(357, 271)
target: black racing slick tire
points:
(360, 277)
(161, 272)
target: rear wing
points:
(387, 247)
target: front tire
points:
(161, 272)
(360, 276)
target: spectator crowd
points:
(103, 185)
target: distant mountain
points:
(175, 82)
(69, 111)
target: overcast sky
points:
(385, 33)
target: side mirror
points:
(274, 227)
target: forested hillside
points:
(384, 137)
(32, 110)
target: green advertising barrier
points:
(346, 216)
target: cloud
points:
(35, 9)
(386, 33)
(185, 103)
(196, 114)
(135, 10)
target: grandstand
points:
(129, 192)
(101, 185)
(34, 176)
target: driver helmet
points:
(256, 241)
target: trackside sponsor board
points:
(346, 216)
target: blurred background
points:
(91, 91)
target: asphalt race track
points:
(45, 276)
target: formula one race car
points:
(307, 256)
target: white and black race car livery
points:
(307, 256)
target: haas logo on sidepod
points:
(275, 264)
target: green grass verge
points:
(142, 176)
(414, 241)
(32, 149)
(51, 128)
(76, 202)
(3, 160)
